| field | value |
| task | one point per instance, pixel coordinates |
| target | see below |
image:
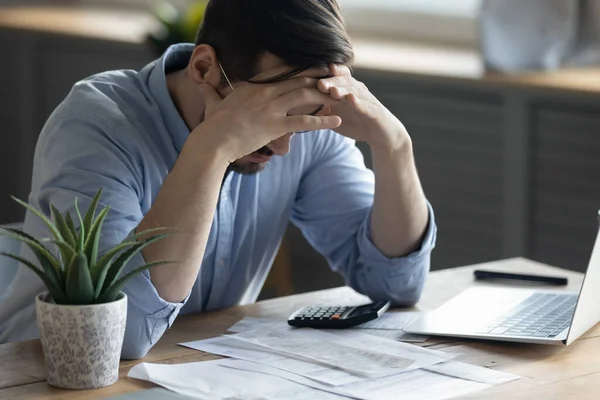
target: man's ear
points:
(204, 66)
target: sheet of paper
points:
(413, 385)
(472, 372)
(398, 335)
(250, 323)
(354, 359)
(225, 346)
(252, 329)
(392, 320)
(212, 380)
(399, 349)
(423, 356)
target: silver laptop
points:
(517, 314)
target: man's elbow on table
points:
(409, 297)
(141, 334)
(403, 285)
(136, 343)
(134, 352)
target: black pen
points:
(492, 275)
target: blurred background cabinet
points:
(510, 168)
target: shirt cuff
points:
(144, 297)
(370, 255)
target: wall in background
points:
(509, 170)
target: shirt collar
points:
(176, 56)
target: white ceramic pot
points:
(81, 344)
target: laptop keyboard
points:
(541, 315)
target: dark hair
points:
(303, 33)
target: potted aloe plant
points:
(81, 318)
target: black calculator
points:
(337, 317)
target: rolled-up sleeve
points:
(149, 315)
(74, 159)
(401, 279)
(333, 209)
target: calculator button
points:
(336, 316)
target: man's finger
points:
(304, 97)
(281, 88)
(337, 70)
(339, 93)
(311, 123)
(326, 110)
(326, 84)
(212, 98)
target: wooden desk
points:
(548, 372)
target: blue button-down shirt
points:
(120, 131)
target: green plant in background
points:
(79, 276)
(177, 26)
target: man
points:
(226, 141)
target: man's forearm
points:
(186, 203)
(400, 216)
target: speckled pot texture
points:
(81, 344)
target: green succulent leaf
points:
(100, 270)
(72, 228)
(62, 227)
(93, 238)
(51, 265)
(67, 237)
(111, 293)
(40, 215)
(82, 232)
(55, 291)
(80, 276)
(67, 252)
(146, 232)
(88, 221)
(79, 287)
(119, 264)
(56, 276)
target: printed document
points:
(413, 385)
(211, 380)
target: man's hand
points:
(254, 114)
(399, 217)
(247, 119)
(364, 118)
